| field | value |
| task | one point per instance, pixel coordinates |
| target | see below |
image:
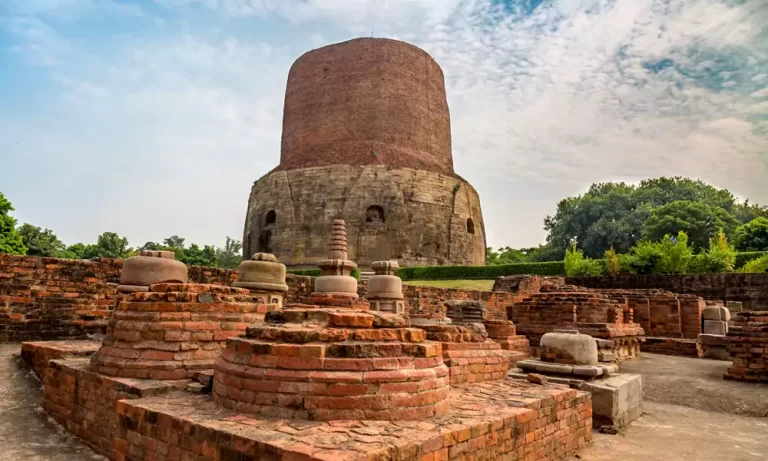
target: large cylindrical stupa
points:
(366, 138)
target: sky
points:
(153, 118)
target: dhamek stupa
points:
(367, 139)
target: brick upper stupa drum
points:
(366, 138)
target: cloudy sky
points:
(151, 118)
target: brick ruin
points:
(747, 343)
(589, 312)
(326, 378)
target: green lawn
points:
(484, 285)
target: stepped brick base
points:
(38, 353)
(469, 355)
(491, 420)
(174, 330)
(85, 402)
(324, 364)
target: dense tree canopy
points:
(10, 240)
(615, 214)
(689, 217)
(231, 255)
(108, 245)
(41, 242)
(753, 236)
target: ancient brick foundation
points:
(37, 354)
(749, 289)
(672, 346)
(748, 346)
(174, 329)
(522, 422)
(589, 312)
(85, 403)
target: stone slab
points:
(616, 400)
(582, 371)
(715, 327)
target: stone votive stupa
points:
(333, 359)
(139, 272)
(264, 278)
(336, 279)
(385, 289)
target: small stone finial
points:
(264, 257)
(158, 254)
(337, 242)
(385, 267)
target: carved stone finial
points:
(337, 242)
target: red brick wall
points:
(750, 289)
(430, 301)
(48, 298)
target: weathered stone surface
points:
(616, 400)
(570, 348)
(366, 137)
(385, 290)
(152, 267)
(716, 313)
(715, 327)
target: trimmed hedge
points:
(479, 272)
(747, 256)
(318, 272)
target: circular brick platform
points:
(173, 330)
(333, 364)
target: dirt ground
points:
(26, 432)
(674, 426)
(691, 414)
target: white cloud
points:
(174, 129)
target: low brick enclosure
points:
(748, 346)
(749, 289)
(520, 422)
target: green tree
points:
(174, 241)
(746, 212)
(108, 245)
(506, 255)
(612, 262)
(752, 236)
(689, 217)
(613, 214)
(10, 240)
(231, 255)
(75, 251)
(41, 242)
(196, 256)
(576, 264)
(719, 257)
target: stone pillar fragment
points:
(150, 267)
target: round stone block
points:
(385, 287)
(152, 267)
(341, 285)
(262, 272)
(569, 348)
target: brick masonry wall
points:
(672, 346)
(48, 298)
(750, 289)
(54, 299)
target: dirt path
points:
(697, 383)
(26, 433)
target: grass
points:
(483, 285)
